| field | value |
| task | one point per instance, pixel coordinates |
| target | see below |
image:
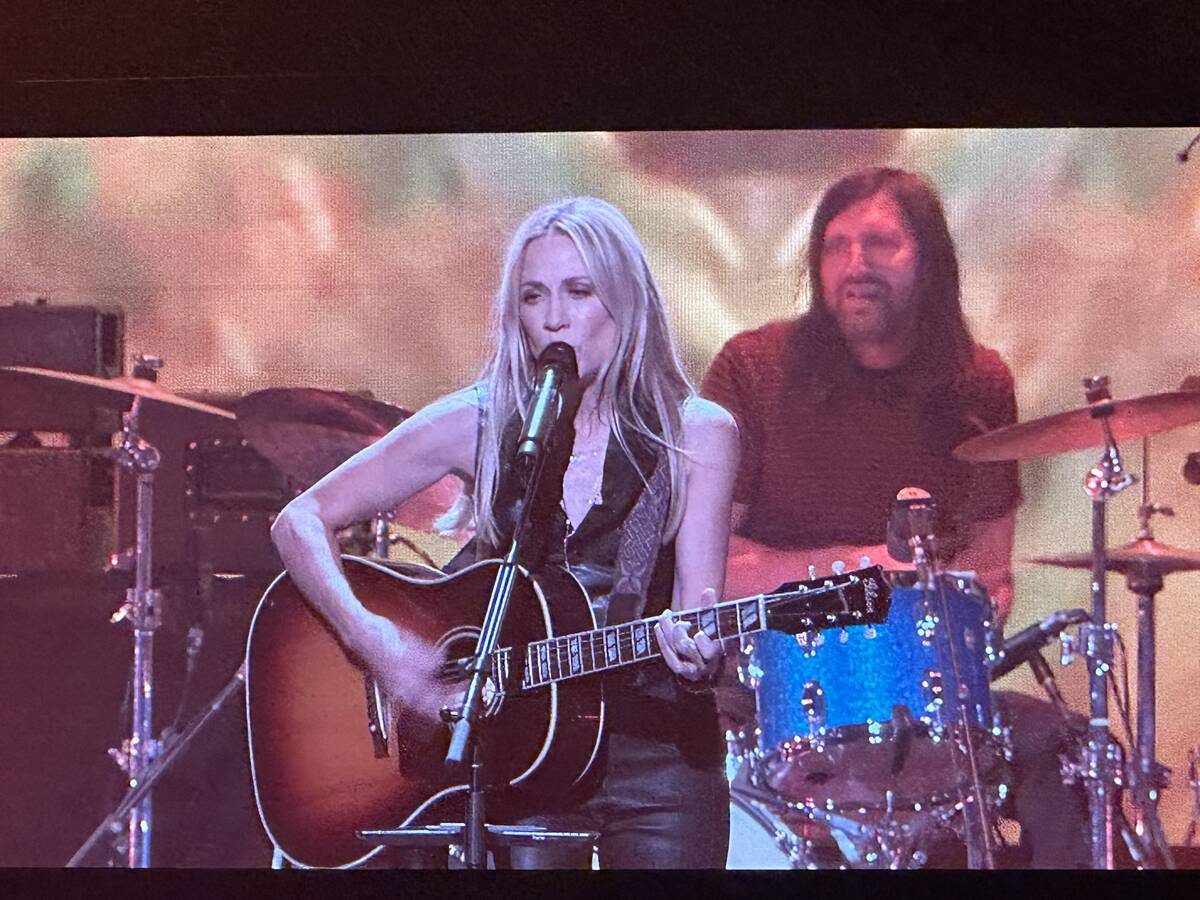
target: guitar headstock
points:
(842, 599)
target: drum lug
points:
(874, 732)
(1004, 733)
(809, 641)
(932, 683)
(927, 628)
(812, 702)
(989, 652)
(749, 675)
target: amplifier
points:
(214, 496)
(87, 340)
(232, 494)
(49, 518)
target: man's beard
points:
(874, 320)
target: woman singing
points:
(640, 492)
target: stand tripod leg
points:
(133, 800)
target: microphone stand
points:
(466, 737)
(464, 740)
(977, 829)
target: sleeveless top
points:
(618, 556)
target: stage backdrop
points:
(367, 262)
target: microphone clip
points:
(910, 530)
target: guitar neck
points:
(575, 655)
(807, 607)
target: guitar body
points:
(317, 775)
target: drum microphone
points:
(912, 512)
(1022, 645)
(556, 370)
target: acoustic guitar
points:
(330, 754)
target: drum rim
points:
(988, 749)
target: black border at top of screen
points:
(216, 67)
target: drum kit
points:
(304, 433)
(869, 749)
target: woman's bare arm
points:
(438, 440)
(710, 438)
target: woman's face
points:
(558, 302)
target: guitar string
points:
(627, 640)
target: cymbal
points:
(54, 387)
(1129, 557)
(309, 432)
(1077, 430)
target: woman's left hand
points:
(693, 658)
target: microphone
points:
(1025, 643)
(913, 507)
(556, 370)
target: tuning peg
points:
(864, 562)
(839, 567)
(812, 573)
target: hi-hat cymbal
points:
(52, 387)
(1141, 554)
(308, 432)
(1077, 430)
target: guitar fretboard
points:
(574, 655)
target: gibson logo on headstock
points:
(870, 593)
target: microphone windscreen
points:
(561, 356)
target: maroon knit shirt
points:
(825, 448)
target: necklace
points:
(575, 457)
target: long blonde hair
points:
(644, 374)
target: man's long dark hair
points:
(941, 329)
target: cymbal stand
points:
(143, 608)
(1104, 480)
(1148, 777)
(171, 749)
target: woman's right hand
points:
(404, 666)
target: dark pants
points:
(651, 806)
(1053, 816)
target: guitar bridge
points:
(378, 720)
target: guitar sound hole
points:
(457, 651)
